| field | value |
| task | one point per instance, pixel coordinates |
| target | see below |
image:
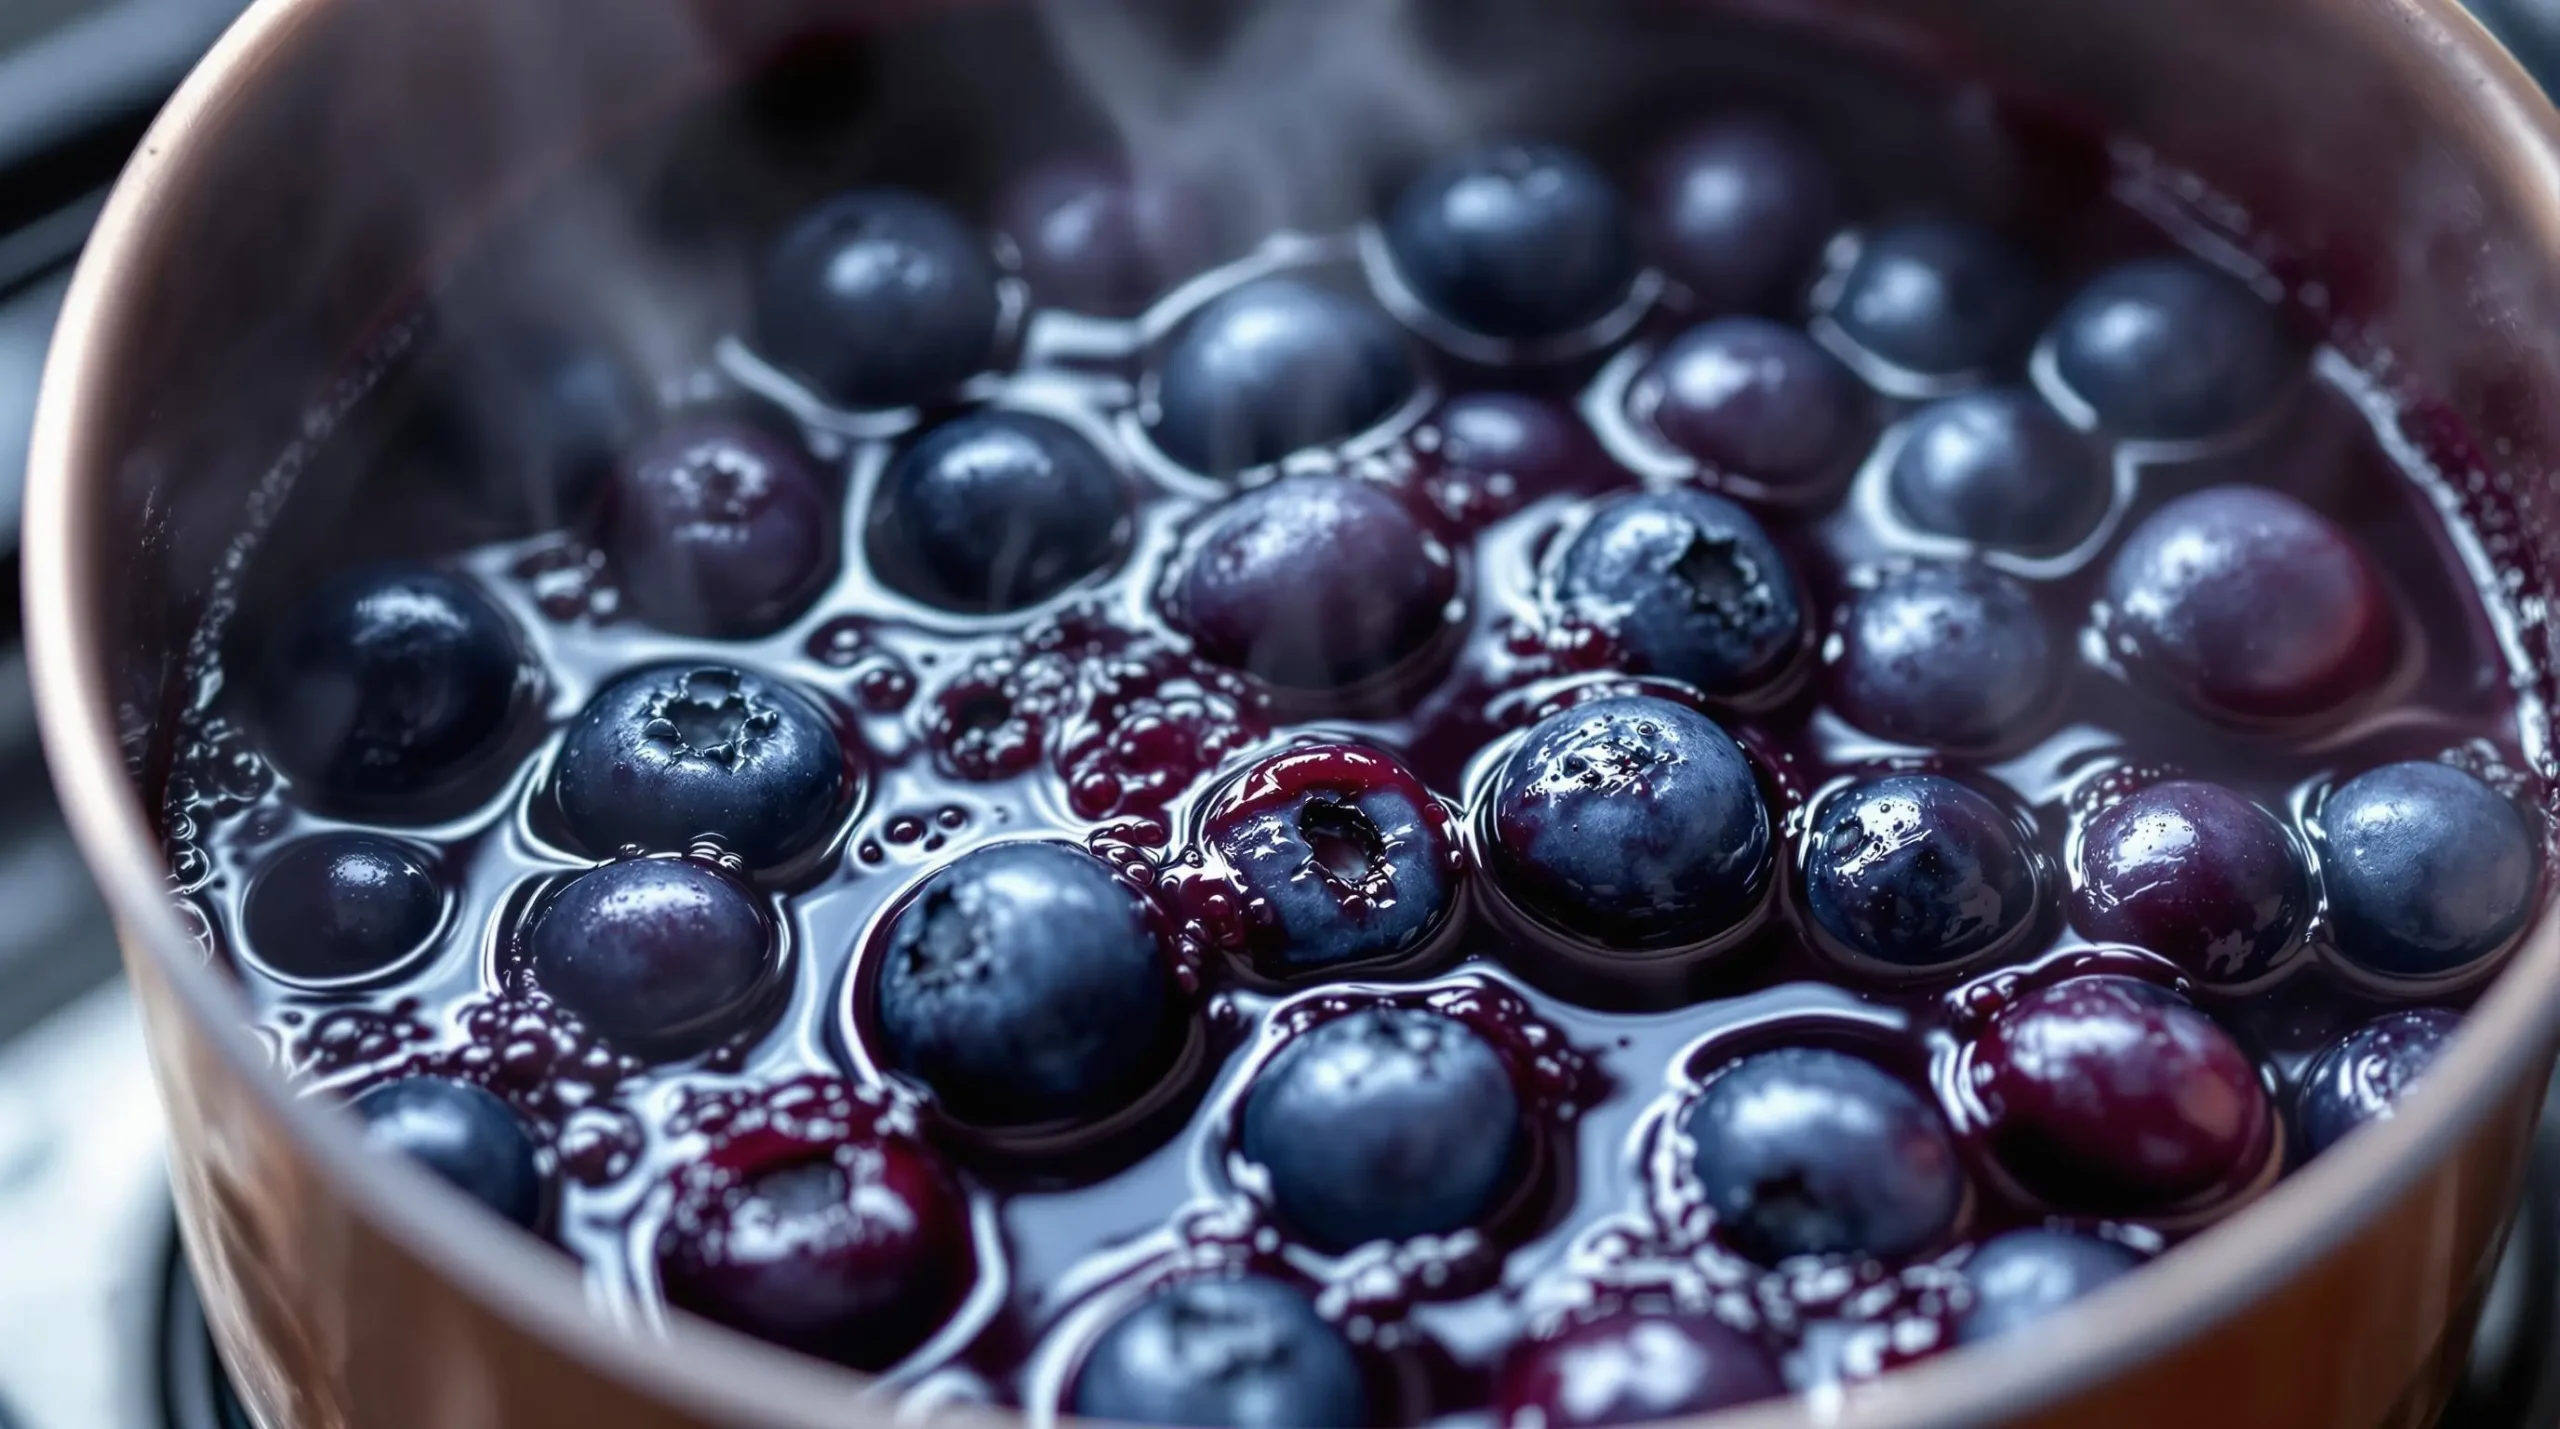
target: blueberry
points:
(1341, 855)
(995, 511)
(1690, 586)
(1807, 1151)
(1240, 1353)
(2428, 869)
(1938, 299)
(2360, 1078)
(855, 1250)
(2167, 348)
(2021, 1276)
(341, 906)
(1751, 398)
(1383, 1124)
(1948, 655)
(719, 528)
(2250, 605)
(1096, 238)
(1274, 367)
(1917, 871)
(1485, 455)
(1998, 468)
(1521, 241)
(389, 689)
(2194, 873)
(1023, 983)
(879, 298)
(462, 1134)
(1632, 821)
(673, 755)
(1314, 583)
(1631, 1368)
(532, 421)
(2104, 1095)
(1739, 208)
(662, 956)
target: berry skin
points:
(1631, 1368)
(1234, 1353)
(2197, 874)
(1917, 871)
(663, 956)
(1096, 239)
(1520, 241)
(1747, 397)
(464, 1135)
(674, 755)
(389, 690)
(1383, 1124)
(1631, 821)
(1690, 586)
(338, 906)
(2104, 1095)
(2429, 870)
(1315, 583)
(1948, 656)
(1739, 208)
(2001, 469)
(2360, 1078)
(995, 511)
(2168, 349)
(1939, 299)
(879, 298)
(721, 529)
(1807, 1151)
(1485, 455)
(2250, 605)
(1341, 855)
(2021, 1276)
(1025, 986)
(1274, 367)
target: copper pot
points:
(260, 233)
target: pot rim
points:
(730, 1377)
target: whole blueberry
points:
(1096, 238)
(1274, 367)
(2428, 869)
(1315, 582)
(2360, 1078)
(2104, 1095)
(720, 528)
(2019, 1277)
(1242, 1352)
(995, 511)
(855, 1251)
(1938, 299)
(1917, 871)
(1807, 1151)
(1024, 984)
(1738, 209)
(462, 1134)
(1998, 468)
(2197, 874)
(1383, 1124)
(1341, 855)
(1631, 1367)
(662, 956)
(2249, 604)
(673, 755)
(1690, 586)
(2167, 348)
(1485, 455)
(1520, 241)
(1951, 655)
(344, 905)
(1748, 397)
(879, 298)
(1632, 821)
(388, 689)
